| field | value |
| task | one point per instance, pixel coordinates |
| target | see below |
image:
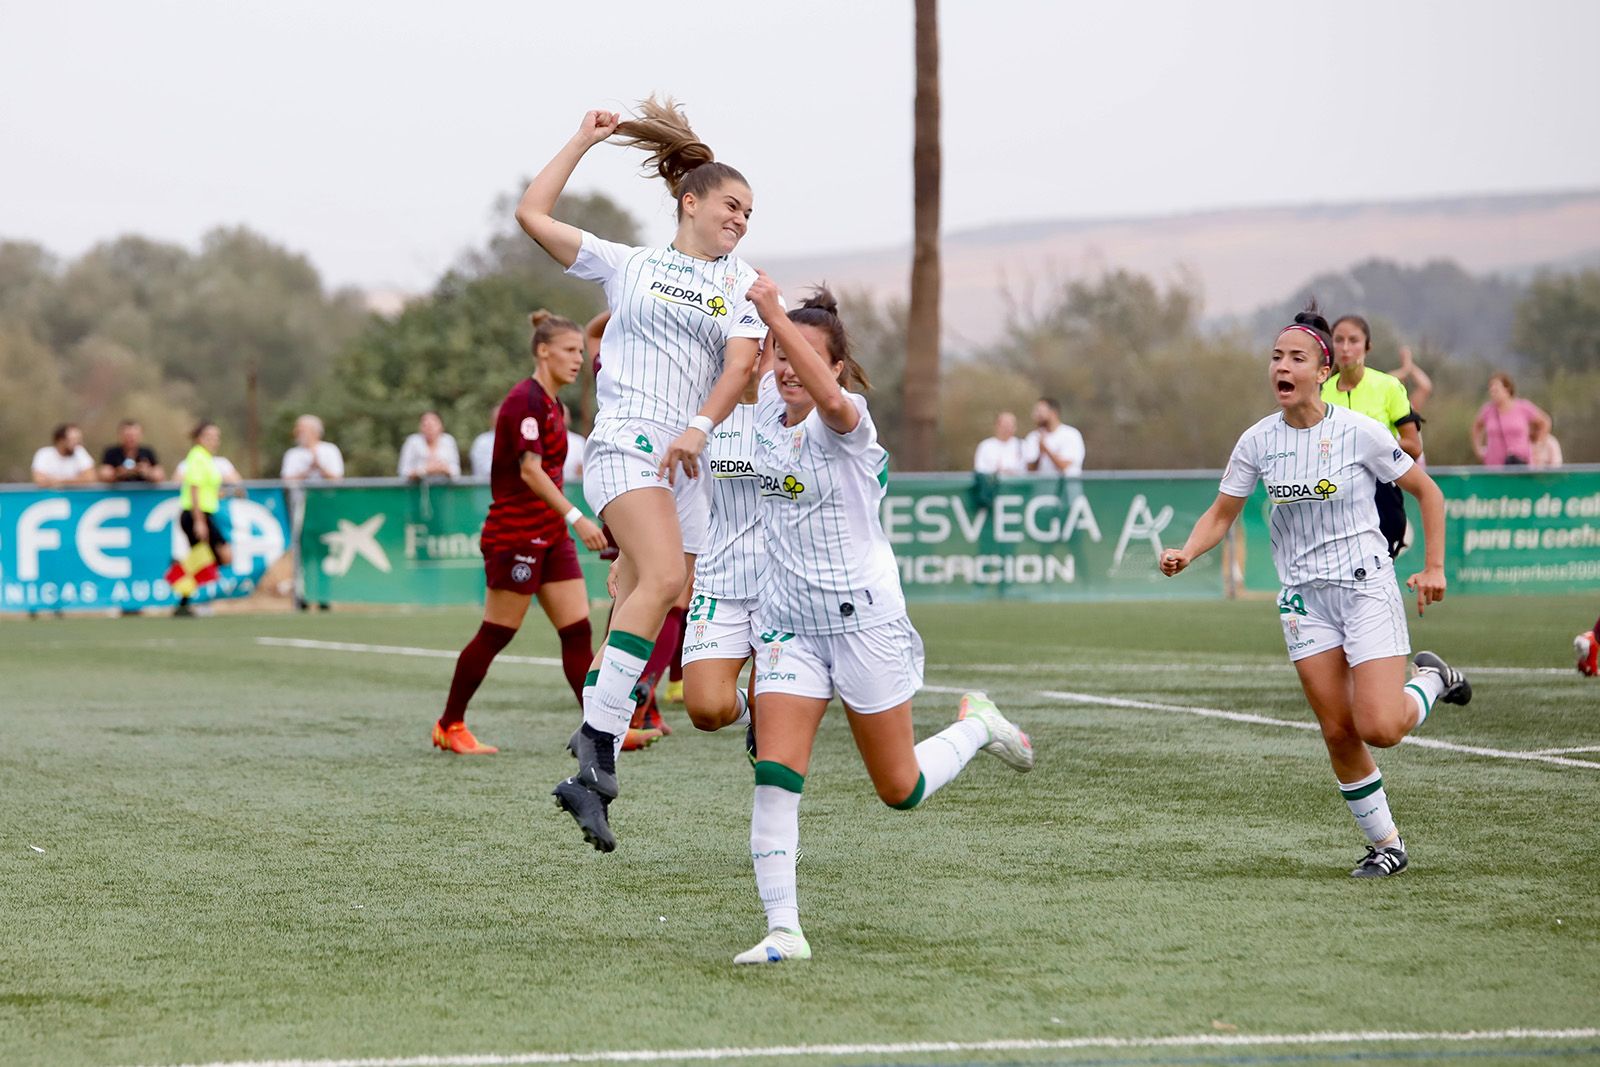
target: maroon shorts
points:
(524, 570)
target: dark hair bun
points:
(1313, 318)
(822, 299)
(540, 317)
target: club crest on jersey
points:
(530, 428)
(521, 572)
(788, 486)
(1293, 492)
(1324, 448)
(677, 294)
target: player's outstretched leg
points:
(1006, 739)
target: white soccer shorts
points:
(871, 670)
(1368, 621)
(719, 628)
(625, 454)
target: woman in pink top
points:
(1502, 434)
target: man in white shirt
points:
(64, 462)
(311, 459)
(430, 453)
(481, 454)
(1053, 447)
(1002, 453)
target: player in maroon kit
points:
(527, 550)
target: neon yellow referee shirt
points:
(1378, 395)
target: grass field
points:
(249, 853)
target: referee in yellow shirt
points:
(200, 498)
(1379, 396)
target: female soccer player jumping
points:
(833, 611)
(1342, 615)
(526, 548)
(679, 346)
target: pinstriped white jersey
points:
(829, 568)
(671, 318)
(1320, 482)
(730, 565)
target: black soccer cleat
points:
(588, 809)
(1382, 862)
(1457, 690)
(596, 754)
(750, 743)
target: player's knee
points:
(662, 584)
(1382, 734)
(901, 791)
(709, 715)
(1342, 734)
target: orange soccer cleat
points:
(637, 739)
(458, 739)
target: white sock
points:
(942, 756)
(608, 707)
(774, 839)
(1424, 689)
(744, 708)
(1370, 806)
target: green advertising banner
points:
(1516, 531)
(957, 538)
(403, 544)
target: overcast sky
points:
(374, 137)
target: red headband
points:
(1327, 353)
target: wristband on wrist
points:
(573, 516)
(701, 423)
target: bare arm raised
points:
(534, 211)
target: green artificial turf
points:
(251, 853)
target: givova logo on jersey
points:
(714, 306)
(788, 486)
(1294, 492)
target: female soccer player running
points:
(1342, 615)
(833, 612)
(679, 348)
(527, 551)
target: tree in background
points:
(1557, 324)
(460, 348)
(921, 382)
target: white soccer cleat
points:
(1586, 647)
(1006, 739)
(776, 947)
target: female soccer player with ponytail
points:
(527, 551)
(1342, 615)
(679, 347)
(832, 609)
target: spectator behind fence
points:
(65, 461)
(1502, 434)
(130, 459)
(572, 471)
(1053, 447)
(311, 459)
(481, 455)
(1002, 453)
(1546, 449)
(430, 453)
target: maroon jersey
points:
(529, 420)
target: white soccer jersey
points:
(829, 568)
(1320, 482)
(671, 318)
(729, 567)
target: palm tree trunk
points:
(921, 382)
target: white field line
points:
(925, 1047)
(393, 650)
(1048, 694)
(1279, 667)
(1564, 751)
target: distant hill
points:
(1243, 258)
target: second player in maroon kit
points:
(528, 550)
